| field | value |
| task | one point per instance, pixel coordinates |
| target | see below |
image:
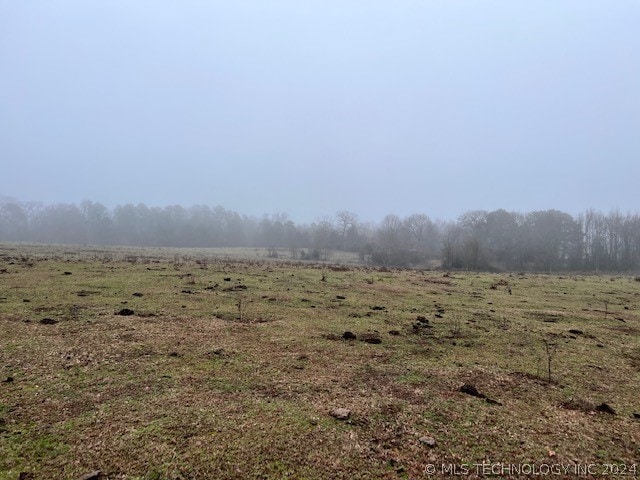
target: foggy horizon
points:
(326, 216)
(308, 109)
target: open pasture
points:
(180, 364)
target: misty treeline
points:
(547, 241)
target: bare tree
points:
(324, 238)
(422, 232)
(550, 348)
(451, 243)
(346, 221)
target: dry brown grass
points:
(184, 389)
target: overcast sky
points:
(309, 107)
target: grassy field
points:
(232, 368)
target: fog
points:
(312, 107)
(549, 240)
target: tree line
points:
(547, 241)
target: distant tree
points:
(325, 238)
(393, 244)
(452, 236)
(389, 233)
(500, 239)
(553, 240)
(98, 222)
(14, 222)
(630, 239)
(473, 253)
(238, 229)
(200, 226)
(61, 223)
(127, 225)
(347, 222)
(473, 220)
(423, 234)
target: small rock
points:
(576, 331)
(349, 335)
(428, 441)
(340, 413)
(340, 297)
(636, 416)
(137, 294)
(125, 312)
(67, 273)
(395, 333)
(8, 380)
(96, 475)
(48, 321)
